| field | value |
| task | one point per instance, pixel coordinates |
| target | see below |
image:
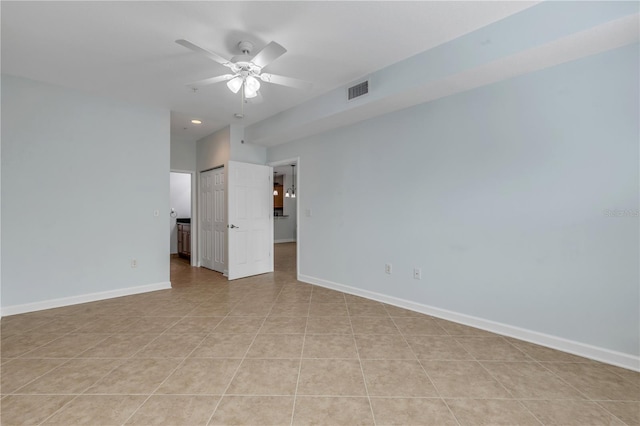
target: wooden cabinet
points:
(184, 240)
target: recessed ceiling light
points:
(194, 121)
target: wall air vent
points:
(358, 90)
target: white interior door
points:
(250, 198)
(212, 219)
(219, 221)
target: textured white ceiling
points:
(126, 50)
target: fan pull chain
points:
(242, 101)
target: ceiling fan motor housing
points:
(245, 69)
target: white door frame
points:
(194, 215)
(202, 239)
(250, 208)
(298, 192)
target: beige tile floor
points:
(269, 350)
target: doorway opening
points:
(286, 196)
(181, 209)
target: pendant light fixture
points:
(275, 184)
(291, 192)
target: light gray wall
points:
(244, 151)
(81, 179)
(180, 201)
(437, 71)
(183, 155)
(499, 194)
(213, 150)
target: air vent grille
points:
(358, 90)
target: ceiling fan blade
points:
(212, 80)
(285, 81)
(268, 54)
(219, 59)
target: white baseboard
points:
(607, 356)
(84, 298)
(286, 240)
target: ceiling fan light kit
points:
(235, 84)
(251, 87)
(246, 70)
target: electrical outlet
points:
(387, 268)
(156, 213)
(134, 263)
(417, 273)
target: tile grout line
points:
(325, 395)
(63, 336)
(15, 392)
(500, 383)
(41, 346)
(80, 393)
(176, 367)
(244, 357)
(598, 403)
(304, 339)
(425, 370)
(59, 366)
(364, 378)
(67, 360)
(26, 384)
(586, 397)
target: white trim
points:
(285, 240)
(608, 356)
(194, 215)
(300, 188)
(84, 298)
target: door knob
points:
(232, 226)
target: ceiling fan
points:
(246, 70)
